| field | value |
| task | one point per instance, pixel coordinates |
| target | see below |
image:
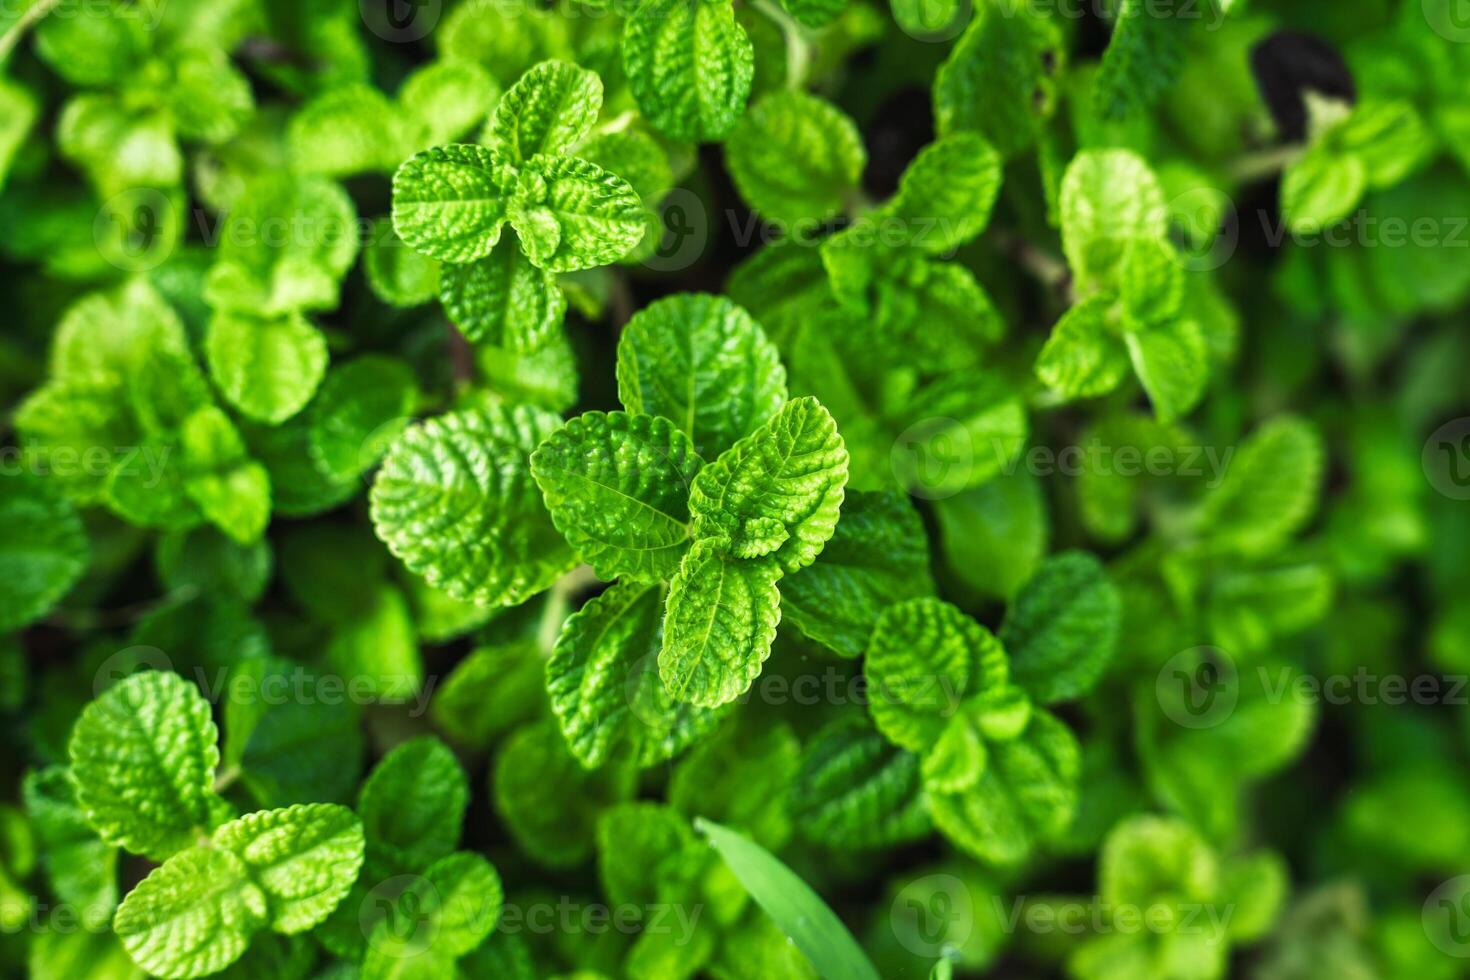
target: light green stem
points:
(33, 14)
(798, 42)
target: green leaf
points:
(720, 621)
(504, 299)
(143, 757)
(292, 750)
(647, 854)
(779, 489)
(450, 201)
(92, 44)
(494, 689)
(703, 363)
(690, 66)
(547, 112)
(456, 903)
(398, 275)
(634, 155)
(1144, 57)
(44, 551)
(80, 866)
(791, 903)
(1108, 199)
(951, 185)
(456, 502)
(1146, 859)
(1000, 79)
(856, 789)
(285, 247)
(267, 368)
(741, 776)
(362, 407)
(348, 130)
(209, 98)
(231, 490)
(412, 806)
(1062, 628)
(192, 915)
(571, 214)
(1321, 188)
(1027, 795)
(448, 98)
(1083, 357)
(957, 433)
(1270, 489)
(795, 158)
(1173, 364)
(549, 802)
(303, 858)
(878, 555)
(994, 535)
(924, 657)
(617, 487)
(603, 682)
(956, 759)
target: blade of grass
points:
(792, 905)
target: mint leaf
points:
(1108, 199)
(1000, 79)
(192, 915)
(456, 502)
(44, 552)
(450, 201)
(571, 214)
(690, 66)
(1270, 489)
(399, 275)
(303, 858)
(1171, 362)
(504, 300)
(547, 112)
(267, 368)
(617, 488)
(923, 659)
(721, 619)
(143, 757)
(703, 363)
(1026, 795)
(795, 158)
(1062, 628)
(1083, 357)
(231, 490)
(778, 490)
(412, 806)
(876, 556)
(362, 407)
(603, 682)
(952, 184)
(856, 789)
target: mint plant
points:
(702, 490)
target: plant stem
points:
(1264, 163)
(33, 15)
(798, 43)
(558, 601)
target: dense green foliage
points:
(739, 489)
